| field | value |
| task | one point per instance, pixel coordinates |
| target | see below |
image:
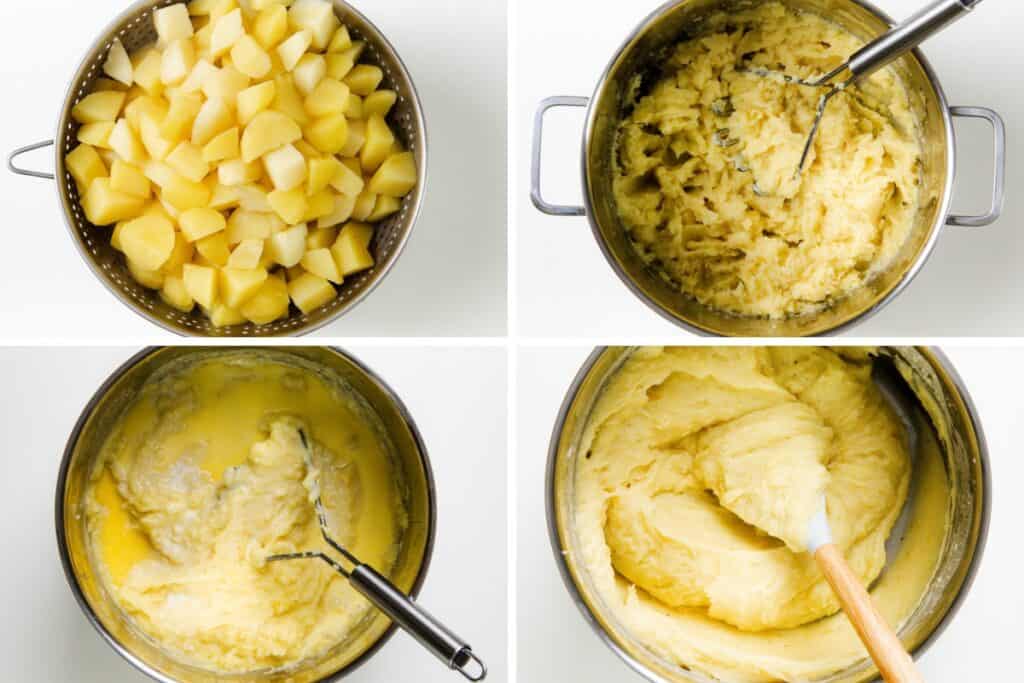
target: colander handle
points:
(999, 171)
(24, 171)
(538, 135)
(456, 654)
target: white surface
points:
(450, 281)
(971, 286)
(456, 396)
(981, 644)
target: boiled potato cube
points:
(250, 58)
(214, 117)
(286, 167)
(355, 50)
(321, 238)
(85, 165)
(343, 207)
(215, 249)
(308, 73)
(254, 198)
(267, 131)
(227, 31)
(159, 173)
(347, 181)
(221, 8)
(288, 246)
(187, 159)
(175, 294)
(221, 196)
(319, 205)
(128, 179)
(269, 303)
(246, 255)
(238, 285)
(155, 145)
(340, 41)
(125, 143)
(309, 292)
(384, 207)
(197, 224)
(339, 64)
(363, 79)
(321, 173)
(201, 8)
(226, 83)
(172, 23)
(353, 106)
(292, 49)
(180, 255)
(178, 60)
(290, 205)
(329, 133)
(153, 279)
(96, 134)
(118, 65)
(249, 225)
(225, 316)
(200, 283)
(379, 103)
(181, 115)
(147, 72)
(328, 97)
(351, 250)
(395, 177)
(288, 100)
(200, 74)
(99, 106)
(236, 172)
(320, 262)
(379, 141)
(356, 139)
(148, 241)
(184, 194)
(317, 17)
(223, 146)
(138, 107)
(271, 26)
(364, 206)
(252, 101)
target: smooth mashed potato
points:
(699, 473)
(705, 167)
(204, 478)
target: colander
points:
(135, 29)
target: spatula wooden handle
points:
(884, 646)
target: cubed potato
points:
(200, 283)
(221, 8)
(225, 316)
(249, 225)
(347, 181)
(250, 58)
(159, 173)
(180, 255)
(223, 146)
(308, 73)
(290, 205)
(254, 198)
(125, 143)
(201, 8)
(147, 72)
(317, 17)
(85, 165)
(268, 131)
(363, 79)
(269, 303)
(227, 31)
(215, 117)
(175, 294)
(339, 64)
(321, 172)
(252, 101)
(286, 167)
(148, 241)
(172, 23)
(153, 106)
(152, 279)
(156, 146)
(246, 255)
(202, 222)
(292, 49)
(384, 207)
(379, 103)
(223, 197)
(235, 172)
(328, 133)
(379, 141)
(355, 50)
(351, 250)
(187, 160)
(238, 285)
(288, 100)
(99, 106)
(319, 205)
(309, 292)
(96, 134)
(200, 73)
(271, 26)
(321, 262)
(395, 177)
(128, 179)
(178, 60)
(321, 238)
(343, 207)
(183, 194)
(364, 206)
(288, 246)
(328, 97)
(340, 41)
(214, 249)
(353, 106)
(119, 65)
(177, 124)
(225, 82)
(104, 84)
(356, 139)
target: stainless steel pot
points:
(102, 413)
(941, 395)
(604, 108)
(135, 29)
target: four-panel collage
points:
(516, 341)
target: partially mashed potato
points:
(706, 161)
(205, 477)
(699, 473)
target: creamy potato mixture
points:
(205, 477)
(698, 475)
(706, 183)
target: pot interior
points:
(679, 21)
(101, 416)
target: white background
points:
(972, 286)
(457, 398)
(450, 280)
(980, 644)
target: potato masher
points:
(383, 594)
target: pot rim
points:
(922, 257)
(569, 577)
(59, 509)
(142, 311)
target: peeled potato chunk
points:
(268, 303)
(267, 131)
(396, 176)
(105, 206)
(238, 285)
(148, 241)
(351, 251)
(119, 65)
(200, 283)
(309, 292)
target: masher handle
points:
(884, 646)
(418, 622)
(907, 35)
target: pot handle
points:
(538, 134)
(999, 172)
(24, 171)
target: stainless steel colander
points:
(135, 29)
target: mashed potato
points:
(705, 167)
(702, 469)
